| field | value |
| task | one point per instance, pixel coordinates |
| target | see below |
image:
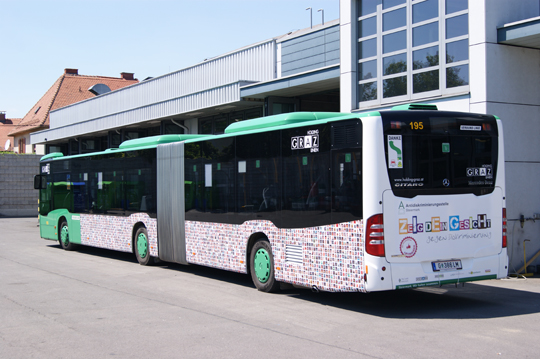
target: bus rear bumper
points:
(423, 274)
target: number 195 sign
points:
(310, 141)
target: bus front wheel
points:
(63, 237)
(262, 267)
(141, 246)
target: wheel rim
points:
(262, 265)
(64, 235)
(142, 245)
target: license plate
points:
(443, 266)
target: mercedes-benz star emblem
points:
(446, 182)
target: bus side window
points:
(258, 176)
(192, 174)
(62, 191)
(218, 176)
(44, 196)
(306, 183)
(346, 185)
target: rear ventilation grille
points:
(293, 254)
(415, 106)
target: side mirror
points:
(40, 182)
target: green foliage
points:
(368, 91)
(452, 77)
(395, 67)
(426, 81)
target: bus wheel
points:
(142, 249)
(262, 267)
(63, 237)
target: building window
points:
(399, 48)
(74, 147)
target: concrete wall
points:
(17, 194)
(348, 38)
(504, 81)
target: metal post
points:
(322, 13)
(310, 17)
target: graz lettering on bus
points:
(436, 225)
(485, 171)
(310, 141)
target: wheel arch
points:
(72, 234)
(250, 243)
(134, 230)
(61, 219)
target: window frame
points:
(410, 72)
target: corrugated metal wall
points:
(213, 97)
(312, 51)
(197, 86)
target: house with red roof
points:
(68, 89)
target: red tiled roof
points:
(5, 128)
(68, 89)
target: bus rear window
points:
(431, 153)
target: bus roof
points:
(255, 125)
(156, 140)
(290, 118)
(275, 122)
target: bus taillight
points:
(504, 240)
(375, 236)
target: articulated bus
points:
(404, 198)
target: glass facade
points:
(399, 44)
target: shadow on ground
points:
(472, 301)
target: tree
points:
(453, 79)
(396, 86)
(368, 91)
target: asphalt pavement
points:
(95, 303)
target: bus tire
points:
(63, 236)
(141, 246)
(261, 266)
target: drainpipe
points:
(186, 130)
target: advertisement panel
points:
(442, 229)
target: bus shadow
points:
(100, 252)
(207, 272)
(221, 275)
(472, 301)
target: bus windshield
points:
(433, 153)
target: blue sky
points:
(40, 38)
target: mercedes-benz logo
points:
(446, 182)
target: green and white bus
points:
(331, 201)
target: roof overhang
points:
(206, 103)
(524, 33)
(321, 80)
